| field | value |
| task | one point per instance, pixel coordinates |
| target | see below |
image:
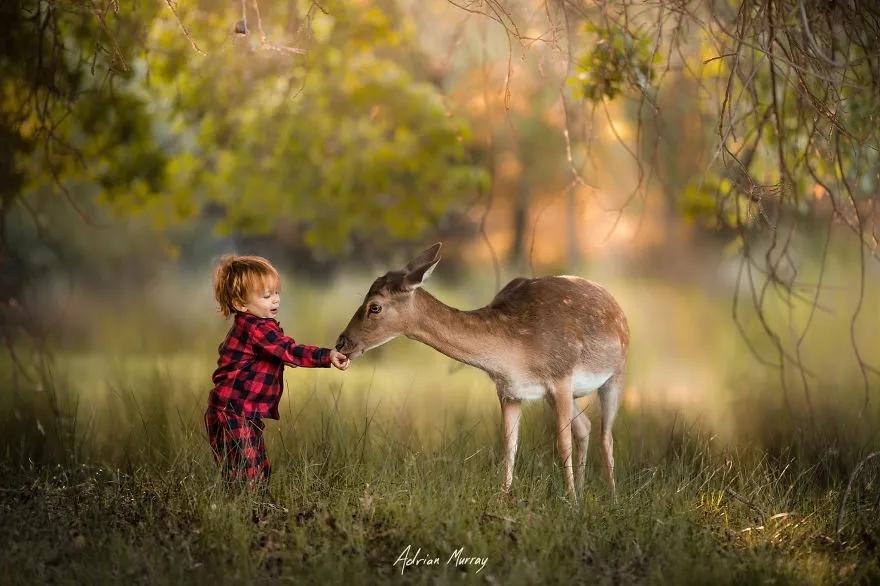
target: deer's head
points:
(388, 308)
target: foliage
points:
(617, 60)
(344, 144)
(67, 108)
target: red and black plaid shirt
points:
(248, 379)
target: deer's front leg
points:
(580, 429)
(510, 413)
(563, 403)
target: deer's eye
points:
(375, 308)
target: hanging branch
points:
(172, 4)
(801, 80)
(241, 28)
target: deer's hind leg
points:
(609, 398)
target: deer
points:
(556, 337)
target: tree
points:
(343, 142)
(66, 108)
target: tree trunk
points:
(571, 225)
(520, 214)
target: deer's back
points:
(562, 323)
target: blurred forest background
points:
(714, 164)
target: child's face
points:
(263, 302)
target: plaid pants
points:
(238, 446)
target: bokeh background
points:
(338, 139)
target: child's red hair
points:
(236, 277)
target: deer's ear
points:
(426, 257)
(418, 275)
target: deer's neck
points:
(465, 336)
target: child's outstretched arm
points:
(268, 338)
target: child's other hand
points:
(339, 360)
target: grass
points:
(107, 478)
(363, 473)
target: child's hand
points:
(339, 360)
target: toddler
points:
(248, 379)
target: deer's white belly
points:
(525, 390)
(584, 381)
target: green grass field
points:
(107, 477)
